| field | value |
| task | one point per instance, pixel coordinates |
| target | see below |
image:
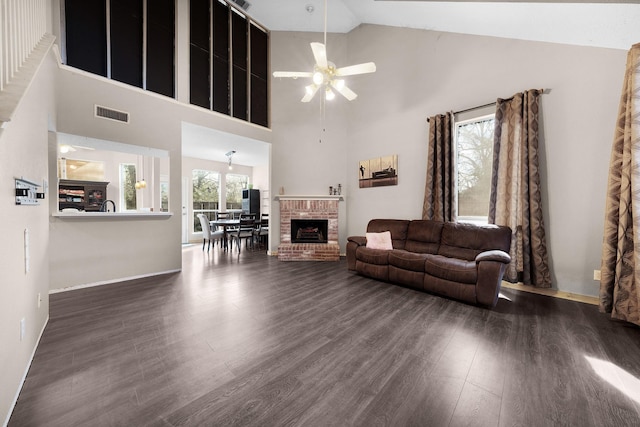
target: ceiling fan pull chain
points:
(322, 119)
(325, 22)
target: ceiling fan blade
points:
(310, 92)
(320, 54)
(367, 67)
(343, 90)
(293, 74)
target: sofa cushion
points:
(376, 271)
(452, 269)
(413, 279)
(372, 256)
(407, 260)
(466, 241)
(380, 240)
(451, 289)
(423, 236)
(397, 227)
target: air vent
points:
(111, 114)
(244, 5)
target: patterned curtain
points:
(439, 193)
(515, 187)
(620, 270)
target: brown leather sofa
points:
(457, 260)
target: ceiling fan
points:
(325, 75)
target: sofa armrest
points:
(359, 240)
(353, 243)
(495, 255)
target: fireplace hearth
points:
(309, 230)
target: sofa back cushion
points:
(423, 236)
(465, 241)
(397, 227)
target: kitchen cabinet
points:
(82, 195)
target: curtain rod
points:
(542, 91)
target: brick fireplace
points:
(310, 209)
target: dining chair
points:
(207, 233)
(226, 215)
(223, 215)
(244, 231)
(261, 231)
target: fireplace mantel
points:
(339, 198)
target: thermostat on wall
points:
(27, 192)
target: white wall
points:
(98, 245)
(422, 73)
(23, 153)
(306, 160)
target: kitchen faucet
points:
(104, 207)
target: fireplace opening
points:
(309, 230)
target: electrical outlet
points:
(596, 274)
(39, 299)
(22, 328)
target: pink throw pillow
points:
(379, 240)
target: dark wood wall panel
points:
(86, 35)
(126, 41)
(259, 105)
(161, 47)
(221, 100)
(259, 76)
(259, 52)
(239, 40)
(199, 74)
(240, 93)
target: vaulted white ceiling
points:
(600, 23)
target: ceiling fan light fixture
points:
(318, 78)
(329, 95)
(325, 73)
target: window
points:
(474, 156)
(132, 41)
(128, 187)
(235, 185)
(229, 54)
(206, 195)
(164, 193)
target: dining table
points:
(225, 224)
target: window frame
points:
(209, 212)
(123, 185)
(462, 119)
(242, 187)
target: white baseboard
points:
(587, 299)
(109, 282)
(24, 375)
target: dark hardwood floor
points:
(248, 340)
